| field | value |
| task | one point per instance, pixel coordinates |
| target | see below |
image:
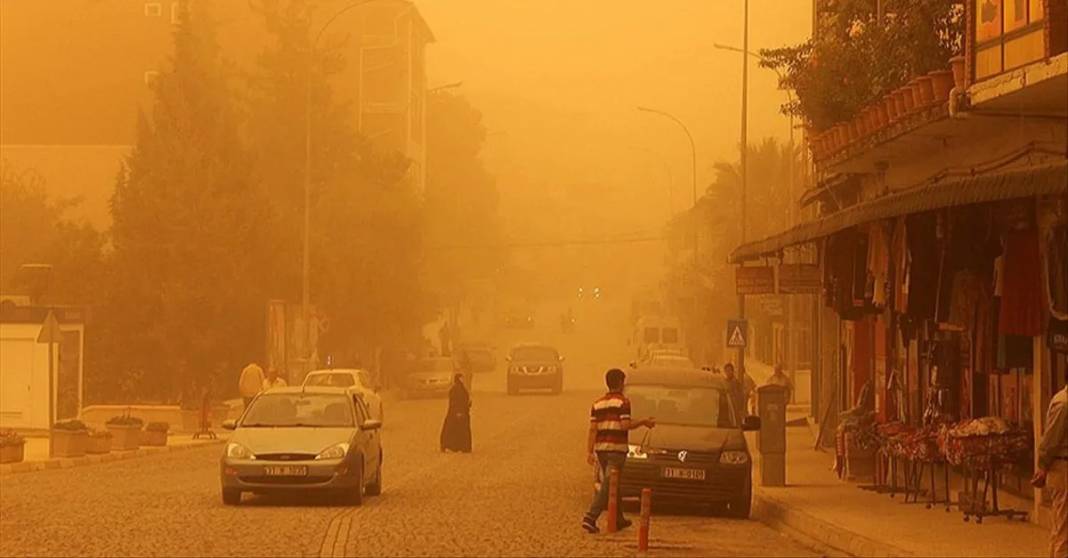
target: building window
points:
(153, 9)
(150, 77)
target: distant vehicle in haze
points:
(432, 377)
(354, 379)
(516, 318)
(657, 332)
(303, 439)
(480, 356)
(670, 361)
(697, 453)
(535, 366)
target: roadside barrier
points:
(643, 523)
(613, 499)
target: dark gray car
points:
(535, 366)
(303, 439)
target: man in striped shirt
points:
(607, 443)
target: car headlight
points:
(734, 458)
(636, 452)
(336, 451)
(235, 450)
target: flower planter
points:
(12, 453)
(153, 438)
(124, 437)
(882, 119)
(899, 104)
(891, 108)
(957, 65)
(68, 443)
(907, 99)
(98, 444)
(925, 91)
(942, 84)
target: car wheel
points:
(355, 495)
(231, 497)
(375, 488)
(739, 508)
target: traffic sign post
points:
(737, 334)
(50, 334)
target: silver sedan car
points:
(303, 439)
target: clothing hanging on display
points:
(899, 252)
(878, 264)
(924, 252)
(1022, 298)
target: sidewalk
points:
(35, 454)
(862, 523)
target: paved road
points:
(521, 493)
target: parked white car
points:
(353, 379)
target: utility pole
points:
(744, 156)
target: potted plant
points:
(11, 446)
(69, 438)
(155, 434)
(125, 432)
(942, 83)
(99, 441)
(924, 91)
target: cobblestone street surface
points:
(521, 493)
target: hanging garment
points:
(967, 289)
(1022, 297)
(899, 251)
(924, 251)
(878, 264)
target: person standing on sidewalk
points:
(779, 378)
(273, 380)
(740, 389)
(608, 443)
(1052, 471)
(250, 383)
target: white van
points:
(658, 332)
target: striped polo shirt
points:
(607, 416)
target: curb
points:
(775, 513)
(71, 462)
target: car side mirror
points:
(371, 424)
(751, 423)
(229, 424)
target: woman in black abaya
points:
(456, 432)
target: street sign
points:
(737, 333)
(799, 278)
(50, 332)
(754, 280)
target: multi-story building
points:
(76, 73)
(939, 230)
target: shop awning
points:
(1052, 179)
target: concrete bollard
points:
(643, 523)
(613, 498)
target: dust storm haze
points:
(532, 277)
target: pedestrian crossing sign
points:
(737, 331)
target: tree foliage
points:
(186, 305)
(858, 56)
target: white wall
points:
(24, 375)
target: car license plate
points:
(287, 471)
(686, 474)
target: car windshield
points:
(299, 409)
(435, 365)
(669, 335)
(692, 406)
(534, 353)
(652, 335)
(330, 380)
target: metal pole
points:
(51, 383)
(744, 157)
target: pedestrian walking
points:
(456, 431)
(250, 383)
(273, 380)
(1052, 470)
(779, 378)
(607, 444)
(741, 388)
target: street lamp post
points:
(745, 155)
(305, 295)
(693, 161)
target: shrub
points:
(157, 427)
(99, 433)
(125, 420)
(72, 425)
(10, 438)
